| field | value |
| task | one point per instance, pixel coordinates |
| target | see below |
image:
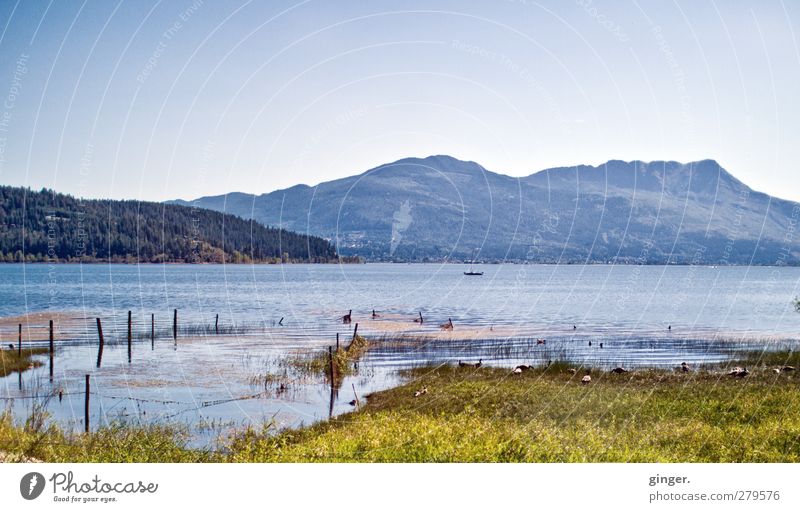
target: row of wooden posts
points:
(130, 333)
(51, 350)
(152, 341)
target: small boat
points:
(471, 271)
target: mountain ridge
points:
(440, 208)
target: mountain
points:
(443, 208)
(46, 226)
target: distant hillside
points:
(46, 226)
(443, 208)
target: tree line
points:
(48, 226)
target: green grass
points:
(489, 415)
(11, 361)
(319, 362)
(116, 443)
(547, 416)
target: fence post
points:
(337, 342)
(86, 405)
(51, 349)
(355, 332)
(330, 362)
(216, 324)
(102, 343)
(19, 342)
(152, 330)
(175, 325)
(333, 381)
(130, 334)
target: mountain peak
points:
(439, 207)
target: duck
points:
(590, 343)
(375, 315)
(573, 371)
(521, 368)
(684, 367)
(586, 379)
(419, 319)
(739, 372)
(10, 346)
(601, 344)
(348, 318)
(541, 341)
(420, 392)
(447, 326)
(462, 364)
(784, 369)
(352, 403)
(619, 369)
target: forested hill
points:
(47, 226)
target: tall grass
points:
(11, 361)
(546, 415)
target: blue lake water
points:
(211, 382)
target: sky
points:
(185, 98)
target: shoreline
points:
(368, 262)
(486, 415)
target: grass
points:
(116, 443)
(344, 360)
(490, 415)
(11, 361)
(487, 415)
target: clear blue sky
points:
(183, 98)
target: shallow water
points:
(210, 382)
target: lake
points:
(267, 313)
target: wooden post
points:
(333, 385)
(19, 342)
(152, 330)
(86, 405)
(102, 343)
(355, 332)
(330, 362)
(216, 324)
(130, 334)
(175, 325)
(337, 342)
(51, 349)
(358, 402)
